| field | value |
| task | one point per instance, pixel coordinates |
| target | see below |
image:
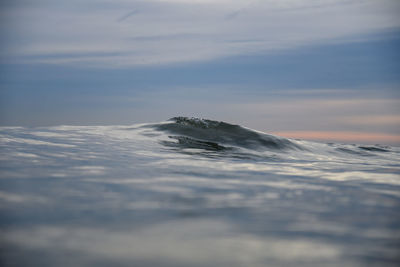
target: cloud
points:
(372, 120)
(316, 114)
(89, 34)
(126, 16)
(20, 199)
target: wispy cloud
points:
(128, 15)
(62, 28)
(373, 120)
(21, 199)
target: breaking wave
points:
(237, 141)
(218, 136)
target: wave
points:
(218, 136)
(375, 148)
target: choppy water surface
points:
(190, 192)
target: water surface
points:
(191, 192)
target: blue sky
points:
(288, 67)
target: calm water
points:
(191, 192)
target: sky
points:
(321, 70)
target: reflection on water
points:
(118, 196)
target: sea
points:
(194, 192)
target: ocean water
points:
(191, 192)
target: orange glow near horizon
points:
(356, 137)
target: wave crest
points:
(216, 135)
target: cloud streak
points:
(68, 31)
(127, 16)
